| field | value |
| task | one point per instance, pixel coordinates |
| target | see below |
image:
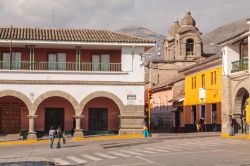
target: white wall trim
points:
(34, 42)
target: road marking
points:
(131, 152)
(139, 150)
(192, 144)
(91, 157)
(167, 148)
(158, 150)
(105, 155)
(149, 161)
(119, 154)
(179, 147)
(77, 160)
(60, 161)
(130, 164)
(179, 153)
(171, 147)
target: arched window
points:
(190, 47)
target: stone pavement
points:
(28, 152)
(167, 152)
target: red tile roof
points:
(78, 35)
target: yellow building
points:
(202, 102)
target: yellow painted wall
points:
(213, 92)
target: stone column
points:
(32, 133)
(78, 131)
(226, 108)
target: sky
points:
(156, 15)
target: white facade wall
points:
(79, 92)
(132, 71)
(230, 54)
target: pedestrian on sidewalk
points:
(51, 136)
(198, 126)
(145, 130)
(231, 125)
(59, 136)
(202, 124)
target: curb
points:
(225, 135)
(25, 142)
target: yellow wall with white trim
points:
(213, 92)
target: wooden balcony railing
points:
(59, 66)
(240, 65)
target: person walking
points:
(59, 136)
(231, 125)
(51, 136)
(198, 126)
(145, 130)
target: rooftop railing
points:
(240, 65)
(59, 66)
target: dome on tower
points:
(188, 20)
(174, 28)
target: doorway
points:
(98, 119)
(54, 117)
(9, 120)
(203, 112)
(193, 114)
(239, 113)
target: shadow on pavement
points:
(27, 163)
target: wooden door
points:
(9, 119)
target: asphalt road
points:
(211, 151)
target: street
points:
(210, 151)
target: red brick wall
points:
(41, 54)
(188, 114)
(55, 102)
(208, 113)
(115, 55)
(218, 113)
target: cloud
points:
(115, 14)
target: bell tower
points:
(183, 41)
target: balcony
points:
(60, 66)
(240, 65)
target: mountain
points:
(147, 34)
(142, 32)
(216, 36)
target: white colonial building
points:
(81, 80)
(236, 80)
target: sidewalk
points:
(155, 136)
(185, 135)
